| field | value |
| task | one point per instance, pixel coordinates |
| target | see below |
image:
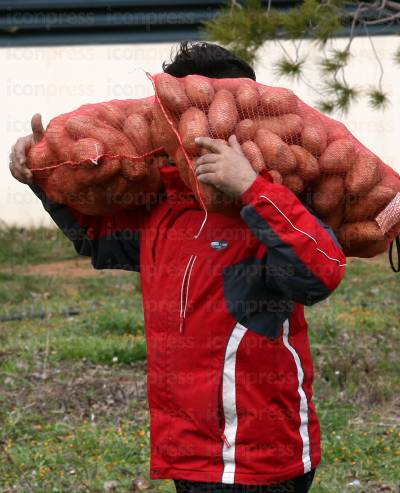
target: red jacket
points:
(229, 365)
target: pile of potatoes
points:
(314, 156)
(105, 157)
(100, 158)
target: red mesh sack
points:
(99, 158)
(316, 157)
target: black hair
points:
(206, 59)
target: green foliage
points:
(244, 27)
(326, 106)
(73, 412)
(107, 351)
(115, 320)
(33, 245)
(285, 67)
(337, 61)
(328, 24)
(339, 96)
(19, 288)
(378, 99)
(84, 421)
(396, 56)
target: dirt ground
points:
(74, 268)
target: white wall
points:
(56, 80)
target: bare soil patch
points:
(74, 268)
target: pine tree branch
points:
(383, 20)
(392, 5)
(377, 58)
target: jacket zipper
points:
(220, 413)
(185, 291)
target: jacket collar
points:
(173, 182)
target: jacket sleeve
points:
(304, 260)
(112, 242)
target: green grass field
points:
(73, 415)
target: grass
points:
(73, 413)
(33, 246)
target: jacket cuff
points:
(258, 186)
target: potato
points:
(193, 123)
(110, 114)
(58, 138)
(87, 151)
(368, 206)
(285, 126)
(335, 218)
(245, 130)
(133, 170)
(40, 155)
(137, 129)
(114, 141)
(276, 176)
(364, 174)
(142, 107)
(61, 186)
(338, 157)
(152, 181)
(116, 192)
(293, 182)
(147, 190)
(161, 133)
(222, 115)
(209, 195)
(328, 194)
(247, 99)
(199, 90)
(335, 130)
(155, 135)
(366, 249)
(355, 233)
(276, 153)
(253, 154)
(277, 101)
(171, 93)
(183, 166)
(91, 201)
(307, 165)
(100, 173)
(230, 84)
(389, 174)
(314, 139)
(390, 180)
(215, 200)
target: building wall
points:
(58, 79)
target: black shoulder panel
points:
(251, 302)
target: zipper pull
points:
(225, 440)
(181, 322)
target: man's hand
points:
(20, 149)
(226, 167)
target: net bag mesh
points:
(315, 156)
(100, 158)
(105, 157)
